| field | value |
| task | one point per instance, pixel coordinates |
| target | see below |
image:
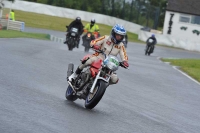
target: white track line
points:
(176, 68)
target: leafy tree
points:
(113, 8)
(50, 2)
(12, 0)
(122, 15)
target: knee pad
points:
(114, 82)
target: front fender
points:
(103, 84)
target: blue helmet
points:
(118, 29)
(153, 35)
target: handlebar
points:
(103, 52)
(122, 65)
(95, 32)
(100, 51)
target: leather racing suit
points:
(111, 49)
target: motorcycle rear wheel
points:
(69, 94)
(70, 69)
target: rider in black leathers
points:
(153, 43)
(77, 24)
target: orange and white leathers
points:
(110, 48)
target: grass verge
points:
(58, 23)
(189, 66)
(17, 34)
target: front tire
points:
(70, 44)
(147, 49)
(93, 98)
(87, 49)
(150, 50)
(87, 45)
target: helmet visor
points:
(119, 37)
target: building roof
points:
(184, 6)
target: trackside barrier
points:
(3, 23)
(70, 13)
(171, 41)
(56, 39)
(12, 25)
(16, 25)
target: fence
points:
(71, 13)
(6, 24)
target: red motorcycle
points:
(92, 82)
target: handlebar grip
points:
(122, 65)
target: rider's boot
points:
(75, 74)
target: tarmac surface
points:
(151, 97)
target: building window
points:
(195, 20)
(185, 18)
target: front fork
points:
(96, 79)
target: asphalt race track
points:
(151, 97)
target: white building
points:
(182, 19)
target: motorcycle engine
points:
(81, 80)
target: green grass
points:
(190, 66)
(59, 23)
(17, 34)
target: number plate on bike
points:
(73, 34)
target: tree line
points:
(149, 13)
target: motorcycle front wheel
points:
(70, 44)
(87, 49)
(93, 98)
(147, 49)
(150, 50)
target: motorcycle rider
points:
(91, 27)
(112, 45)
(154, 42)
(77, 24)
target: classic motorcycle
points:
(88, 38)
(72, 38)
(92, 82)
(149, 47)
